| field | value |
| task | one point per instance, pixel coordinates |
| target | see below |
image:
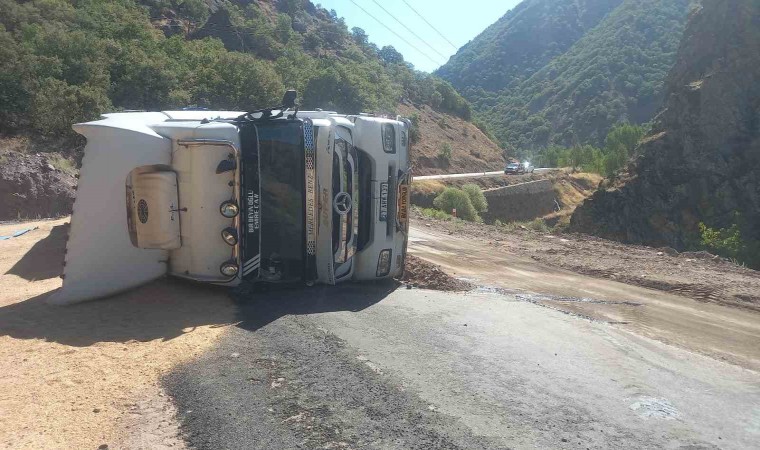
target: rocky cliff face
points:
(31, 187)
(702, 161)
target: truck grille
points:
(311, 188)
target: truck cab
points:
(275, 196)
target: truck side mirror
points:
(289, 99)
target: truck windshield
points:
(281, 154)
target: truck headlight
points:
(229, 209)
(229, 269)
(389, 138)
(230, 235)
(384, 263)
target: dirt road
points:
(82, 376)
(726, 333)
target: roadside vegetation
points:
(466, 203)
(537, 224)
(619, 146)
(62, 163)
(730, 243)
(445, 152)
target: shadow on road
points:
(166, 309)
(259, 308)
(45, 259)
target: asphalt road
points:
(712, 329)
(372, 366)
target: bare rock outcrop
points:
(701, 162)
(31, 187)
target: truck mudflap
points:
(100, 258)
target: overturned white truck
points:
(275, 195)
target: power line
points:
(430, 25)
(408, 29)
(397, 35)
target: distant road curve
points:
(473, 175)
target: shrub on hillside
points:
(476, 197)
(435, 214)
(445, 152)
(453, 198)
(57, 105)
(729, 243)
(414, 131)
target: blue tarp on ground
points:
(17, 233)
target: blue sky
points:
(459, 21)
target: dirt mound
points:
(422, 274)
(34, 185)
(471, 150)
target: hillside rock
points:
(471, 149)
(31, 187)
(702, 161)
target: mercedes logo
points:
(142, 210)
(342, 203)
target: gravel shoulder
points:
(699, 276)
(86, 375)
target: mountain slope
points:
(702, 160)
(520, 43)
(63, 62)
(613, 73)
(470, 149)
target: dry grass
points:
(471, 150)
(18, 144)
(571, 190)
(62, 163)
(427, 187)
(574, 188)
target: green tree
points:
(414, 132)
(57, 105)
(390, 55)
(625, 136)
(477, 198)
(360, 36)
(731, 243)
(455, 199)
(445, 152)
